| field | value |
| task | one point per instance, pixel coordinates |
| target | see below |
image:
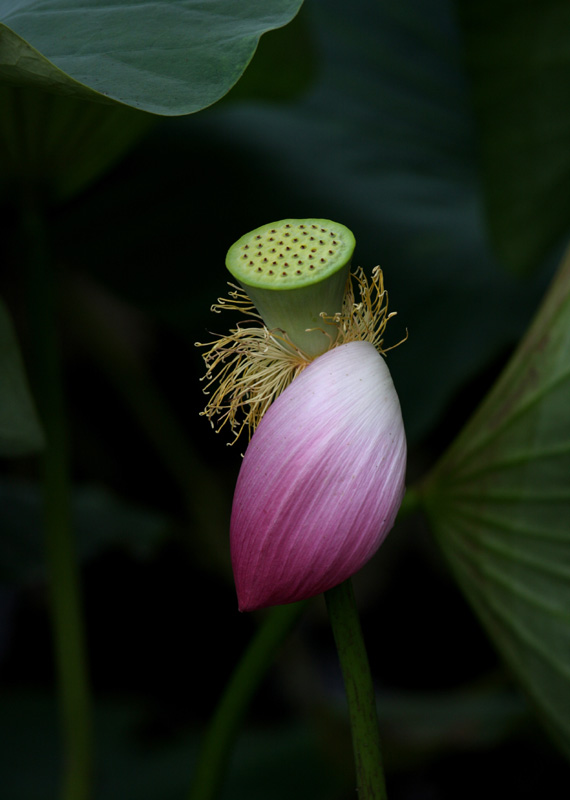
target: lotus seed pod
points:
(294, 270)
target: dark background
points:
(368, 122)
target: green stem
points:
(69, 644)
(214, 756)
(360, 693)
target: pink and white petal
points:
(321, 481)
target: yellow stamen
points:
(252, 365)
(364, 320)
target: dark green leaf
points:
(20, 430)
(499, 502)
(166, 58)
(518, 55)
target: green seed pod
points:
(294, 270)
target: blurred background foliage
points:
(438, 134)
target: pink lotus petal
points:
(321, 481)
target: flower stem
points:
(359, 689)
(67, 624)
(214, 756)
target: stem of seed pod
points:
(359, 689)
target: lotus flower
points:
(323, 475)
(321, 481)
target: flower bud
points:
(321, 481)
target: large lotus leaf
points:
(499, 502)
(518, 55)
(163, 57)
(20, 430)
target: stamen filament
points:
(252, 365)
